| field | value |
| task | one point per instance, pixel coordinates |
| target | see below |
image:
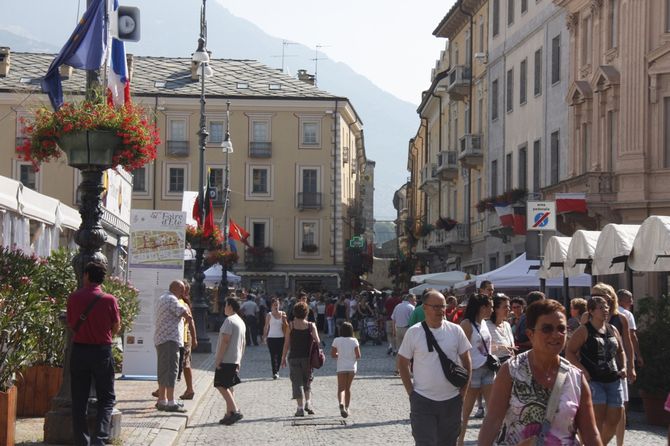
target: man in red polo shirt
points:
(94, 318)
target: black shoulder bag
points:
(492, 361)
(455, 374)
(86, 312)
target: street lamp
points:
(227, 147)
(200, 304)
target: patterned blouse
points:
(528, 403)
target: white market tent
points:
(651, 247)
(447, 278)
(614, 246)
(214, 274)
(424, 286)
(522, 273)
(580, 252)
(554, 257)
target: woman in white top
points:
(347, 351)
(478, 310)
(273, 334)
(502, 338)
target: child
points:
(345, 348)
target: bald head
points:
(432, 294)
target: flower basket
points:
(310, 248)
(445, 223)
(129, 140)
(223, 257)
(196, 237)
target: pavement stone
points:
(379, 409)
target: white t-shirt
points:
(346, 354)
(429, 379)
(478, 352)
(629, 316)
(501, 337)
(233, 326)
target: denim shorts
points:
(483, 376)
(610, 394)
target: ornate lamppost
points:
(227, 147)
(200, 304)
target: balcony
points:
(309, 200)
(471, 154)
(455, 240)
(177, 148)
(429, 180)
(260, 149)
(496, 229)
(259, 259)
(459, 82)
(447, 165)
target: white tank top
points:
(275, 330)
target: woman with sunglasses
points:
(474, 325)
(596, 348)
(524, 384)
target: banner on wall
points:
(155, 258)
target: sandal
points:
(187, 396)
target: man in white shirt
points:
(435, 404)
(229, 354)
(625, 298)
(249, 310)
(400, 317)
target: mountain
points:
(171, 28)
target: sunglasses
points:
(550, 329)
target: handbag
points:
(456, 374)
(550, 412)
(316, 355)
(492, 361)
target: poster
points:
(156, 258)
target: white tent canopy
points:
(214, 274)
(448, 278)
(424, 286)
(580, 252)
(651, 247)
(615, 243)
(522, 273)
(554, 257)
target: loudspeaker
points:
(124, 23)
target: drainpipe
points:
(334, 185)
(426, 152)
(155, 173)
(439, 190)
(468, 196)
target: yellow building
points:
(295, 174)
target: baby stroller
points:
(370, 331)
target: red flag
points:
(208, 224)
(238, 233)
(519, 221)
(571, 202)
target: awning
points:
(651, 247)
(554, 257)
(69, 217)
(613, 248)
(214, 274)
(447, 278)
(581, 252)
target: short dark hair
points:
(475, 302)
(346, 330)
(498, 299)
(234, 303)
(302, 294)
(541, 308)
(300, 310)
(484, 284)
(518, 300)
(534, 296)
(96, 272)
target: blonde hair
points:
(605, 290)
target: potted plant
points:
(653, 381)
(445, 223)
(123, 136)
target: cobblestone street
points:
(379, 409)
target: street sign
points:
(541, 215)
(357, 242)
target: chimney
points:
(65, 71)
(306, 77)
(129, 64)
(4, 61)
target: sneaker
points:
(160, 406)
(309, 410)
(232, 418)
(479, 413)
(389, 350)
(300, 412)
(174, 408)
(275, 376)
(343, 411)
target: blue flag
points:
(85, 49)
(231, 244)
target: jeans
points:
(91, 362)
(275, 345)
(252, 329)
(435, 422)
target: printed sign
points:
(541, 215)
